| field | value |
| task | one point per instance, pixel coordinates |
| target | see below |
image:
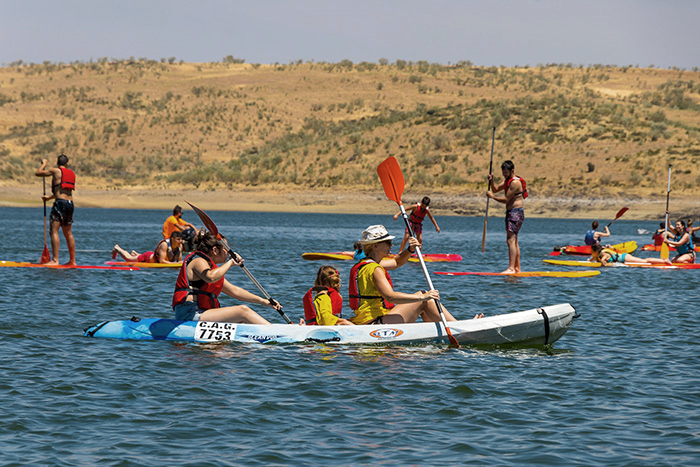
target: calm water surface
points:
(622, 387)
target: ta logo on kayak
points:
(386, 333)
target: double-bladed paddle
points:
(664, 246)
(211, 227)
(393, 182)
(45, 255)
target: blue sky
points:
(663, 33)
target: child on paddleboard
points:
(607, 256)
(416, 214)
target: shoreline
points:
(359, 202)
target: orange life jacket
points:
(310, 310)
(207, 293)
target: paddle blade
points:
(45, 255)
(621, 212)
(664, 251)
(392, 179)
(206, 220)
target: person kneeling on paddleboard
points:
(680, 238)
(323, 304)
(201, 281)
(371, 289)
(593, 236)
(607, 256)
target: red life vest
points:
(418, 215)
(522, 181)
(310, 310)
(67, 179)
(207, 293)
(355, 296)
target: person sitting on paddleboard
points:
(201, 281)
(371, 289)
(607, 256)
(416, 214)
(680, 238)
(658, 236)
(323, 303)
(593, 236)
(166, 251)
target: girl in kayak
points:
(322, 303)
(371, 289)
(201, 281)
(607, 256)
(593, 236)
(680, 238)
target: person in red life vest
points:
(416, 214)
(166, 251)
(658, 236)
(322, 303)
(62, 186)
(372, 294)
(200, 282)
(515, 192)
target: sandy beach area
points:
(272, 199)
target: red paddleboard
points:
(428, 258)
(585, 250)
(19, 264)
(144, 265)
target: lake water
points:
(622, 387)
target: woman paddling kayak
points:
(201, 281)
(371, 289)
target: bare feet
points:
(52, 263)
(114, 251)
(478, 315)
(71, 263)
(509, 271)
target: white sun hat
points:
(375, 234)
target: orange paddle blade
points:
(392, 179)
(664, 251)
(206, 220)
(45, 255)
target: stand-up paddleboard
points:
(652, 247)
(144, 265)
(340, 256)
(524, 273)
(538, 326)
(19, 264)
(596, 264)
(585, 250)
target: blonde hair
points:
(328, 276)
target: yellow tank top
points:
(372, 308)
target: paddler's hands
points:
(273, 304)
(490, 195)
(427, 295)
(235, 257)
(412, 244)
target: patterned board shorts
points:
(514, 219)
(62, 212)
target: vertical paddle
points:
(45, 255)
(486, 215)
(619, 214)
(393, 183)
(211, 227)
(664, 245)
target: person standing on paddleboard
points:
(62, 186)
(515, 192)
(200, 282)
(371, 289)
(593, 236)
(416, 214)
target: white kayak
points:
(540, 326)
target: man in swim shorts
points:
(62, 186)
(515, 192)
